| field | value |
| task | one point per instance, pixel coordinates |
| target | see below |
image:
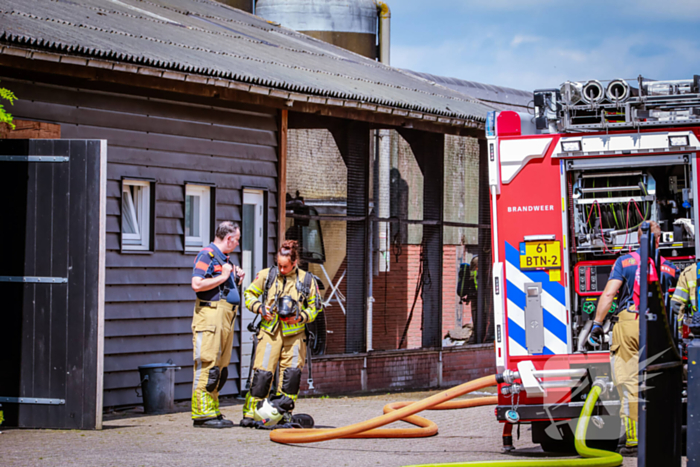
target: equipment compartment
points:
(605, 208)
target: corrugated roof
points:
(501, 97)
(208, 38)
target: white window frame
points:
(141, 217)
(195, 243)
(251, 264)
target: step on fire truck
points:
(569, 187)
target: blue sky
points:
(529, 44)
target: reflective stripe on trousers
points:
(212, 339)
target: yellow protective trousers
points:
(273, 348)
(624, 360)
(212, 339)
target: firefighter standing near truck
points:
(214, 280)
(684, 301)
(289, 296)
(624, 350)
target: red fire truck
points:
(569, 187)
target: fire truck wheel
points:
(544, 434)
(567, 446)
(606, 441)
(558, 445)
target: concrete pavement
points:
(133, 439)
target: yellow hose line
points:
(590, 457)
(606, 458)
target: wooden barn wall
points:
(149, 301)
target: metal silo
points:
(350, 24)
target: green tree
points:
(5, 117)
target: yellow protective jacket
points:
(284, 285)
(685, 293)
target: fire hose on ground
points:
(406, 411)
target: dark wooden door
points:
(52, 282)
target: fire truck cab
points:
(570, 185)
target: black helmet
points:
(287, 307)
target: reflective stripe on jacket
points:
(686, 291)
(284, 285)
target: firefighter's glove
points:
(247, 422)
(259, 425)
(304, 315)
(596, 335)
(266, 313)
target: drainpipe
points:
(383, 155)
(384, 146)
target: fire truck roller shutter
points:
(553, 308)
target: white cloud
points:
(523, 39)
(529, 44)
(547, 63)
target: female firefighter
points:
(285, 297)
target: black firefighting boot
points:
(218, 422)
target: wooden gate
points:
(52, 282)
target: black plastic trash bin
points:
(158, 387)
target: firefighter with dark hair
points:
(286, 298)
(215, 280)
(624, 350)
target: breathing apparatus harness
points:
(286, 307)
(232, 295)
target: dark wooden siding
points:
(148, 298)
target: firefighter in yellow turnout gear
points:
(684, 301)
(287, 309)
(214, 280)
(624, 350)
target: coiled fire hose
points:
(287, 436)
(406, 411)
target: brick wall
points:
(335, 317)
(316, 169)
(449, 287)
(336, 375)
(461, 199)
(27, 129)
(466, 363)
(400, 370)
(406, 189)
(393, 293)
(314, 166)
(335, 244)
